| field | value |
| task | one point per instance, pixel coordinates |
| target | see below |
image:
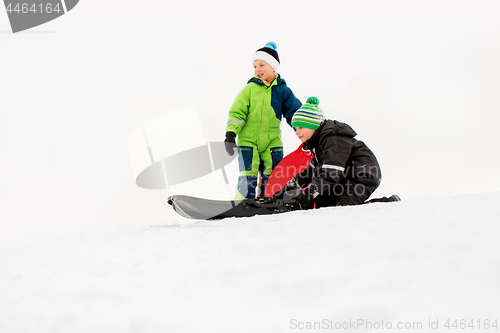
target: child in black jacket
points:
(343, 170)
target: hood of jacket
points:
(327, 128)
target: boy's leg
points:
(248, 160)
(326, 201)
(246, 187)
(268, 161)
(355, 193)
(264, 176)
(392, 198)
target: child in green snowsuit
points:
(255, 118)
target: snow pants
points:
(253, 162)
(348, 193)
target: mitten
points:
(290, 185)
(305, 199)
(230, 143)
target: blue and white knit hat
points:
(269, 54)
(309, 115)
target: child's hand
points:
(305, 199)
(290, 185)
(230, 143)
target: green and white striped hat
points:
(309, 115)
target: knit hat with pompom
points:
(309, 115)
(269, 54)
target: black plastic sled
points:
(206, 209)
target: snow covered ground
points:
(405, 265)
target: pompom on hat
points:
(309, 115)
(269, 54)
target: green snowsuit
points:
(255, 117)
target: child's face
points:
(263, 70)
(304, 133)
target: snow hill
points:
(386, 267)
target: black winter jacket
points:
(338, 158)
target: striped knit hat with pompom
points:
(309, 115)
